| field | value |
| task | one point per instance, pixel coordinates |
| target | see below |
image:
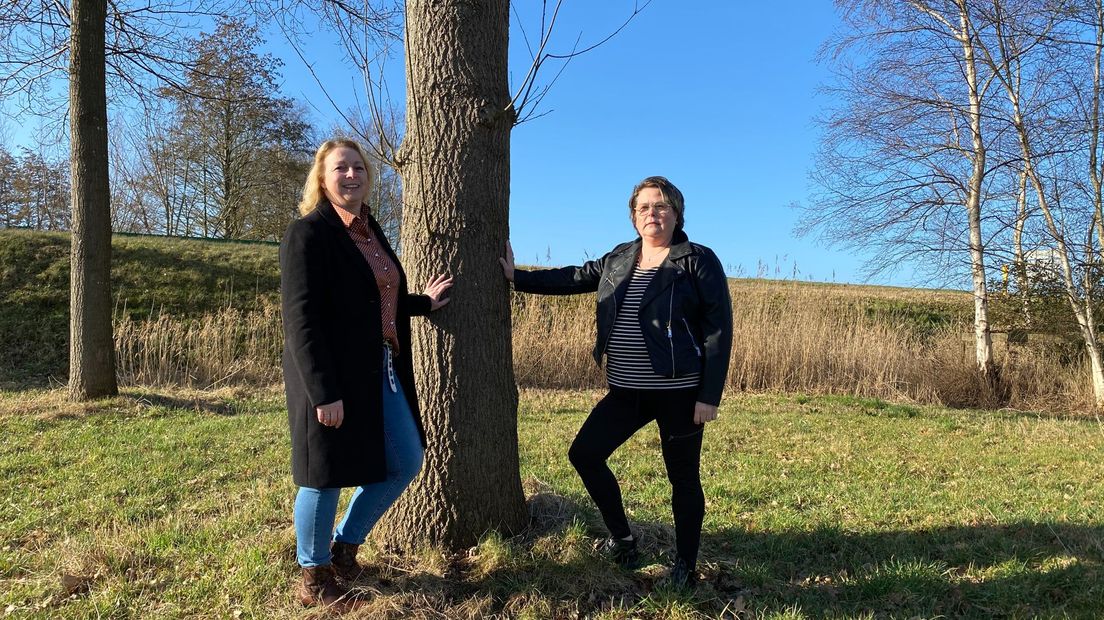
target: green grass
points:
(179, 505)
(186, 277)
(924, 317)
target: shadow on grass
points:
(548, 570)
(198, 403)
(1078, 417)
(53, 406)
(992, 570)
(976, 571)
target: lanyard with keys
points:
(389, 362)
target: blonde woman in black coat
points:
(352, 408)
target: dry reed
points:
(789, 338)
(230, 347)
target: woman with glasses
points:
(665, 329)
(352, 409)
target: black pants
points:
(616, 418)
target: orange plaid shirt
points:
(385, 270)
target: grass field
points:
(177, 504)
(838, 486)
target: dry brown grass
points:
(794, 339)
(790, 337)
(552, 340)
(232, 346)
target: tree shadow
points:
(1020, 569)
(53, 406)
(1075, 417)
(198, 402)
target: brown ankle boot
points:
(320, 587)
(344, 560)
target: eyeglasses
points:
(660, 208)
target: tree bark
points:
(454, 163)
(1006, 68)
(1023, 284)
(983, 339)
(91, 348)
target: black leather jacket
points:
(685, 314)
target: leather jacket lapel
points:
(663, 280)
(669, 270)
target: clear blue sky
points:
(719, 96)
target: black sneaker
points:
(681, 577)
(620, 552)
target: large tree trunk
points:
(91, 349)
(455, 169)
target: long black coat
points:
(333, 349)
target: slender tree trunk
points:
(1019, 264)
(1096, 180)
(455, 168)
(91, 348)
(1082, 305)
(1095, 171)
(1085, 315)
(1097, 376)
(983, 340)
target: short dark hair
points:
(671, 194)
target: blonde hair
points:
(312, 188)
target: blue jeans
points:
(316, 509)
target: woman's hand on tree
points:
(436, 291)
(507, 262)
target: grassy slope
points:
(149, 275)
(189, 277)
(179, 505)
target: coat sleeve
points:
(562, 281)
(716, 326)
(415, 305)
(303, 302)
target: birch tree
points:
(1060, 146)
(903, 164)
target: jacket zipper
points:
(671, 336)
(691, 334)
(614, 296)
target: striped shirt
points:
(627, 361)
(387, 276)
